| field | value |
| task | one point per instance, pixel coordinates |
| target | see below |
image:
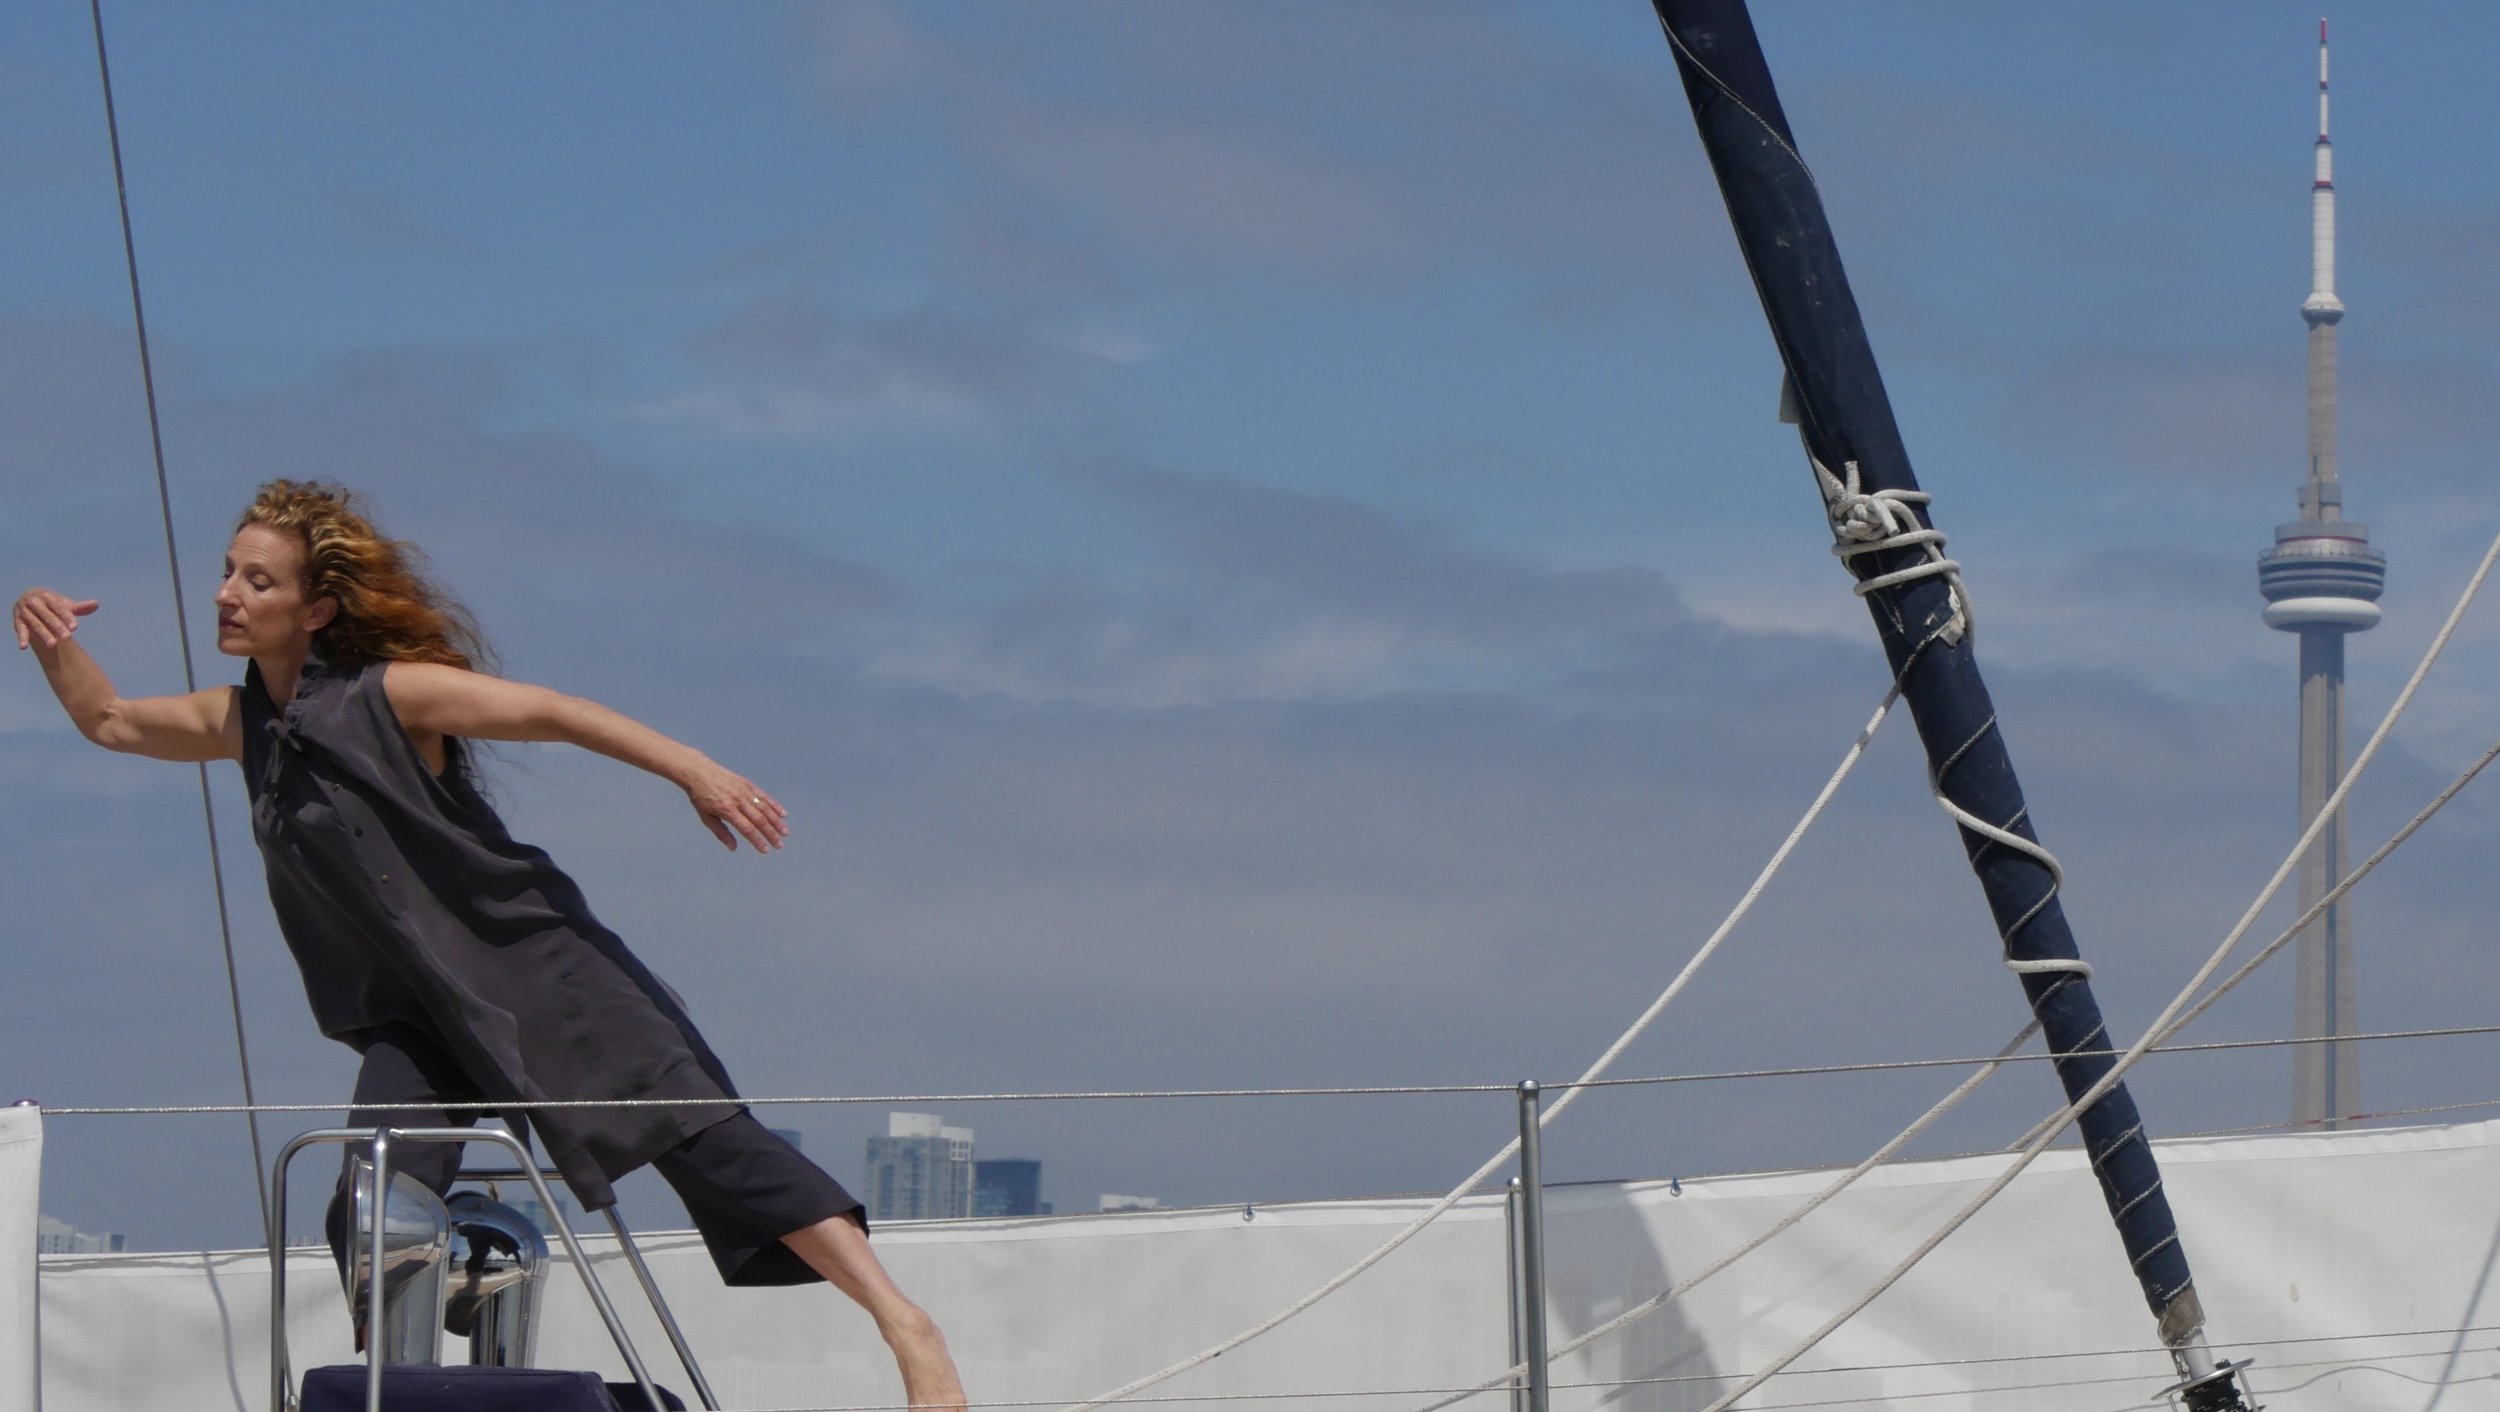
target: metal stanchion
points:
(373, 1267)
(659, 1306)
(1510, 1281)
(282, 1394)
(494, 1177)
(1532, 1244)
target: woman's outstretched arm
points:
(200, 726)
(433, 701)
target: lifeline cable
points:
(2289, 1124)
(892, 1100)
(182, 621)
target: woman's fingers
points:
(761, 820)
(45, 616)
(65, 614)
(742, 819)
(770, 819)
(736, 809)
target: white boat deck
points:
(2355, 1267)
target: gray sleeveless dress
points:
(405, 899)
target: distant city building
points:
(920, 1170)
(58, 1237)
(1113, 1201)
(1008, 1186)
(788, 1135)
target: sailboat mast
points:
(1846, 420)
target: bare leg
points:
(838, 1250)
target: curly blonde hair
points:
(388, 611)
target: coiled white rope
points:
(2170, 1016)
(1868, 522)
(1831, 786)
(1872, 521)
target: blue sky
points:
(1252, 538)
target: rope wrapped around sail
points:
(1868, 523)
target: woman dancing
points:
(464, 965)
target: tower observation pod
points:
(2321, 580)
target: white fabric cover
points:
(2346, 1263)
(21, 1172)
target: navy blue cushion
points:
(466, 1389)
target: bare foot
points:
(929, 1377)
(838, 1249)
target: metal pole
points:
(281, 1381)
(572, 1247)
(35, 1374)
(373, 1271)
(1532, 1243)
(1510, 1279)
(659, 1306)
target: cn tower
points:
(2321, 580)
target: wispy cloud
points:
(788, 366)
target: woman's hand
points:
(47, 617)
(733, 806)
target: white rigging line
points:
(1848, 762)
(1806, 1208)
(2316, 910)
(1864, 523)
(2007, 1054)
(182, 624)
(2170, 1015)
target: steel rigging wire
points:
(182, 622)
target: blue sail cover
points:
(1846, 417)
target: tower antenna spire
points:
(2322, 580)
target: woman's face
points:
(261, 608)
